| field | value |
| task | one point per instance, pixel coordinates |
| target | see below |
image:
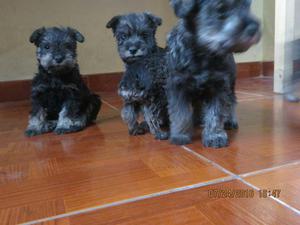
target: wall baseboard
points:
(108, 82)
(254, 69)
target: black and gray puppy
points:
(61, 102)
(202, 66)
(142, 85)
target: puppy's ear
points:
(76, 34)
(36, 35)
(112, 24)
(157, 21)
(183, 7)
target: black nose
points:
(133, 50)
(252, 29)
(59, 58)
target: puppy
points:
(142, 85)
(202, 67)
(61, 102)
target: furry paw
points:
(62, 130)
(291, 98)
(231, 125)
(46, 128)
(32, 132)
(139, 129)
(215, 139)
(143, 125)
(162, 135)
(181, 139)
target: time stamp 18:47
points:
(243, 193)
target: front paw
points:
(140, 129)
(32, 132)
(215, 139)
(162, 135)
(144, 126)
(46, 128)
(231, 125)
(63, 130)
(181, 139)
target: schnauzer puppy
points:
(142, 85)
(202, 67)
(61, 102)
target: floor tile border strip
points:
(238, 177)
(249, 93)
(263, 171)
(273, 198)
(110, 105)
(254, 99)
(231, 174)
(132, 200)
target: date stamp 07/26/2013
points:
(243, 193)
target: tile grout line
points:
(263, 171)
(240, 178)
(233, 175)
(110, 105)
(132, 200)
(203, 158)
(255, 99)
(249, 93)
(273, 198)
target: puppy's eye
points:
(123, 36)
(68, 46)
(47, 46)
(144, 35)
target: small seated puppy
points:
(142, 85)
(202, 67)
(61, 102)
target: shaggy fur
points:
(61, 102)
(202, 80)
(142, 86)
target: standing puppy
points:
(202, 67)
(142, 85)
(60, 99)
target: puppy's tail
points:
(93, 107)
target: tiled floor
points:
(103, 176)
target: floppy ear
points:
(35, 36)
(113, 22)
(77, 35)
(157, 21)
(183, 7)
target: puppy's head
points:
(135, 34)
(56, 47)
(220, 25)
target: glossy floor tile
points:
(268, 136)
(283, 182)
(120, 179)
(49, 175)
(192, 207)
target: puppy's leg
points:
(231, 122)
(93, 108)
(130, 115)
(152, 117)
(38, 123)
(215, 112)
(71, 119)
(181, 116)
(197, 115)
